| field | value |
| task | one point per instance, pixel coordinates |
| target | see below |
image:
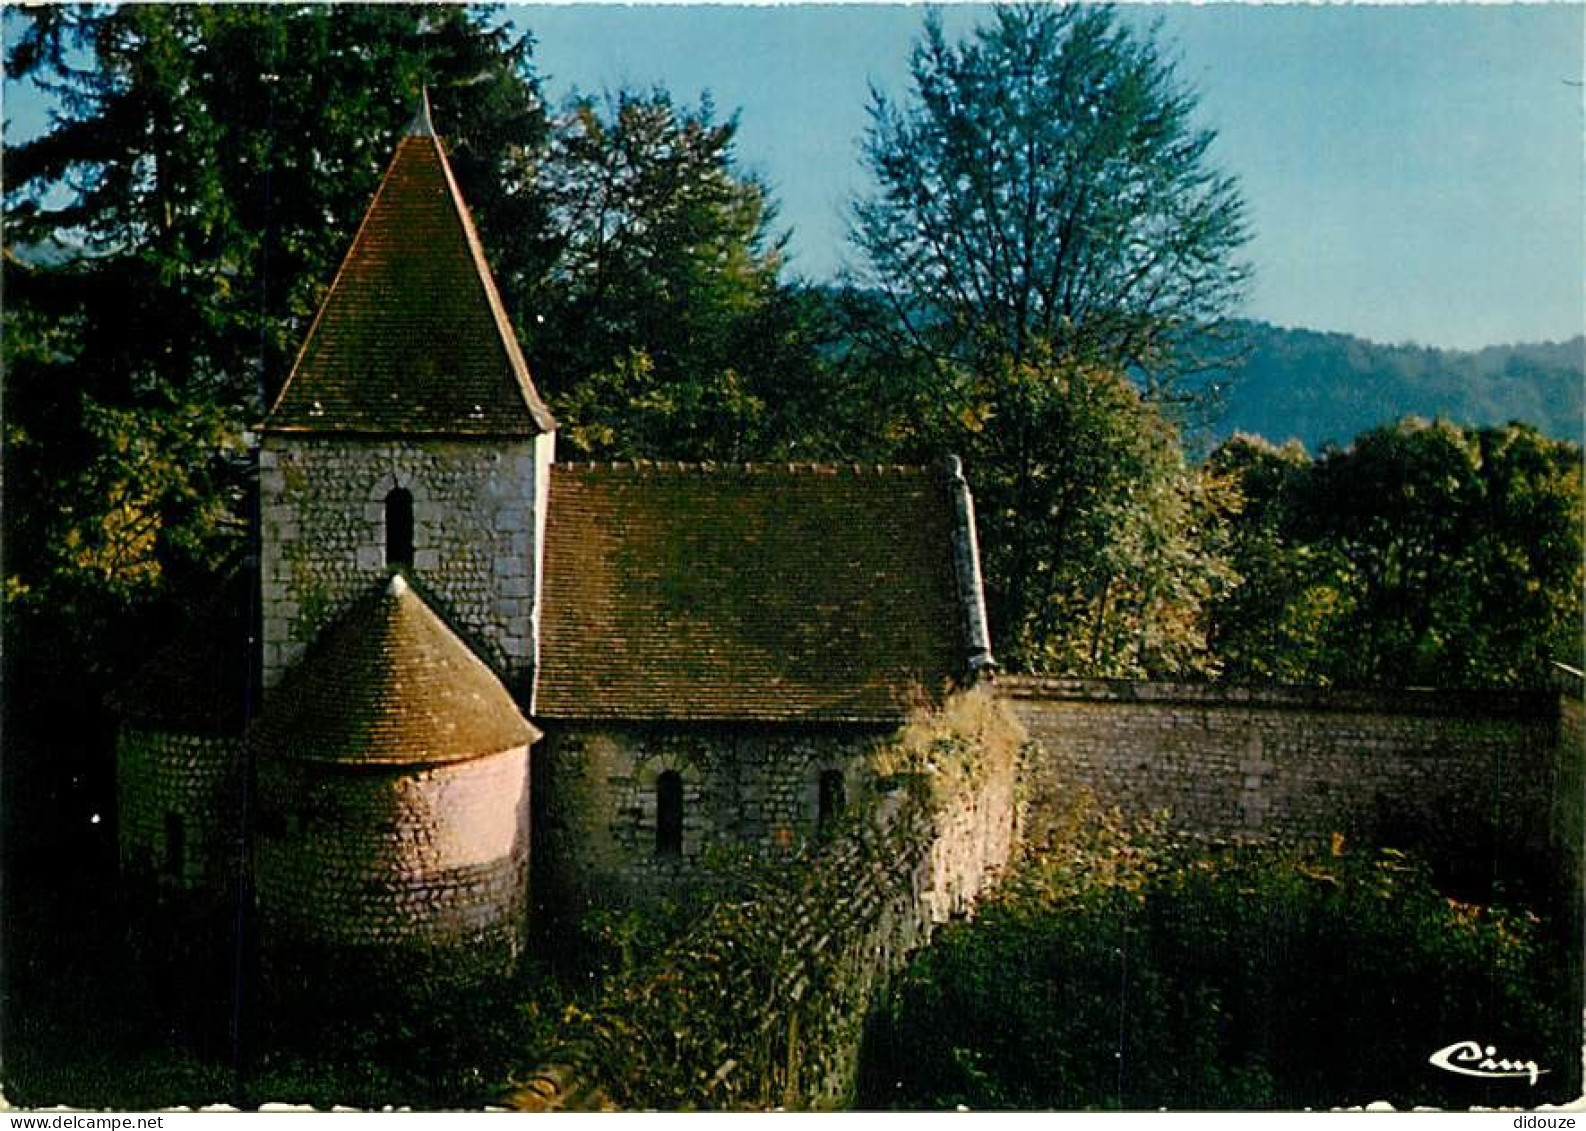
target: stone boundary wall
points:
(1485, 786)
(1452, 773)
(763, 1005)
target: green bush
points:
(1127, 975)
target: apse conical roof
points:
(387, 683)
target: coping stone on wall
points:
(1407, 701)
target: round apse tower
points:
(391, 841)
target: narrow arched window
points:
(399, 527)
(669, 814)
(833, 797)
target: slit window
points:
(833, 797)
(399, 527)
(669, 814)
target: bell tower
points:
(408, 436)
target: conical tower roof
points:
(390, 683)
(413, 338)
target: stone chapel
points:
(464, 683)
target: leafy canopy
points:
(1095, 530)
(660, 326)
(1422, 554)
(1047, 231)
(1045, 183)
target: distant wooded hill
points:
(1320, 387)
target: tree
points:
(1277, 625)
(1046, 230)
(1098, 540)
(659, 327)
(169, 237)
(1422, 554)
(1045, 184)
(1462, 552)
(1530, 563)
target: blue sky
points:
(1414, 173)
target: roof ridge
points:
(761, 467)
(536, 407)
(422, 125)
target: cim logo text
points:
(1471, 1058)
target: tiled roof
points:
(412, 338)
(757, 593)
(201, 683)
(389, 682)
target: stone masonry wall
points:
(177, 801)
(743, 788)
(428, 861)
(1453, 773)
(477, 531)
(763, 1004)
